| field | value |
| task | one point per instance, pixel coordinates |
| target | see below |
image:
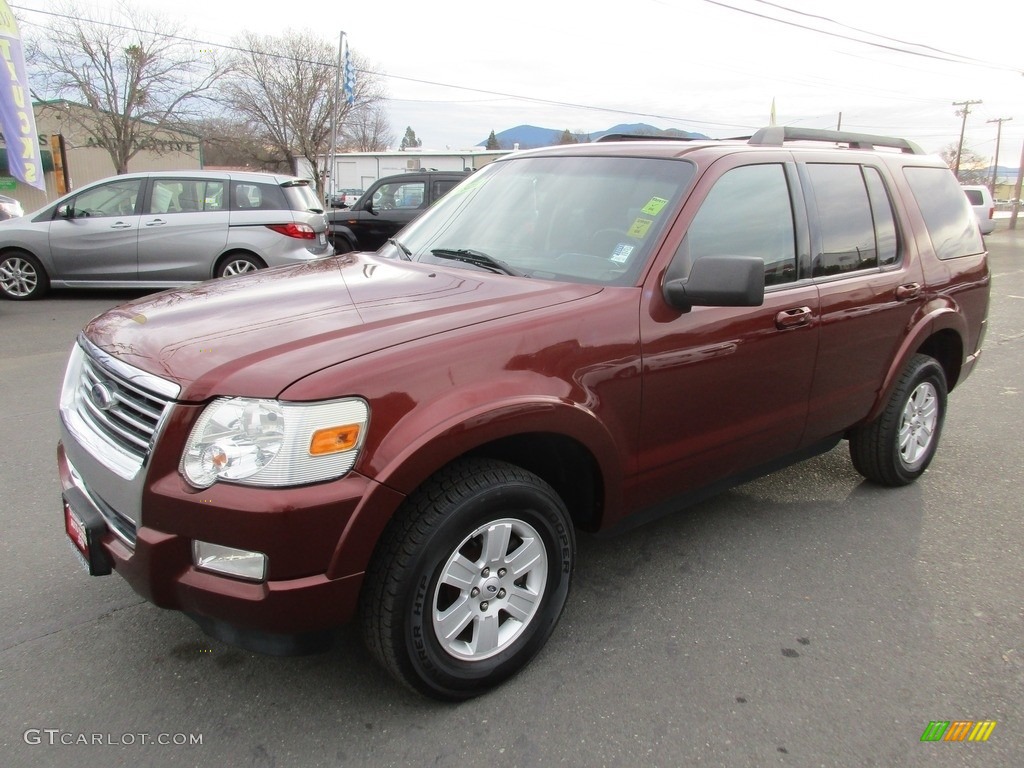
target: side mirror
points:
(66, 211)
(718, 281)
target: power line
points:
(940, 56)
(964, 59)
(519, 97)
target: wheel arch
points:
(574, 460)
(939, 335)
(233, 253)
(345, 235)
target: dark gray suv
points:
(162, 230)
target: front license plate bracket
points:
(85, 528)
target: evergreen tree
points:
(492, 142)
(409, 141)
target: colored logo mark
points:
(958, 730)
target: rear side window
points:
(974, 197)
(949, 219)
(257, 196)
(857, 226)
(303, 198)
(442, 186)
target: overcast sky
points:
(455, 70)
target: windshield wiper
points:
(403, 252)
(478, 259)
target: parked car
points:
(984, 207)
(10, 208)
(345, 198)
(160, 230)
(387, 206)
(580, 336)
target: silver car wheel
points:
(18, 277)
(238, 267)
(490, 589)
(918, 423)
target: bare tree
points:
(228, 141)
(134, 73)
(367, 129)
(284, 88)
(974, 169)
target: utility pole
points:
(963, 126)
(999, 135)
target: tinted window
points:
(747, 213)
(265, 197)
(974, 196)
(845, 219)
(949, 219)
(303, 198)
(115, 199)
(886, 238)
(186, 196)
(443, 186)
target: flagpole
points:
(332, 184)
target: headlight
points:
(268, 442)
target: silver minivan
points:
(162, 230)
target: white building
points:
(358, 170)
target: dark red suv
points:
(571, 337)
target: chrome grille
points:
(125, 414)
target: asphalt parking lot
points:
(804, 619)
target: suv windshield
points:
(580, 219)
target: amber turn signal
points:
(334, 440)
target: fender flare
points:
(343, 232)
(939, 319)
(413, 455)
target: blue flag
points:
(348, 88)
(16, 117)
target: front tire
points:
(22, 277)
(469, 579)
(896, 448)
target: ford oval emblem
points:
(102, 395)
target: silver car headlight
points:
(269, 442)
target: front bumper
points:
(311, 586)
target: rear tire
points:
(469, 579)
(22, 277)
(896, 448)
(239, 264)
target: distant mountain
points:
(529, 136)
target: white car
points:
(984, 207)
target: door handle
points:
(155, 223)
(793, 318)
(120, 225)
(908, 291)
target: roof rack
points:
(642, 137)
(777, 135)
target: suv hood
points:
(256, 334)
